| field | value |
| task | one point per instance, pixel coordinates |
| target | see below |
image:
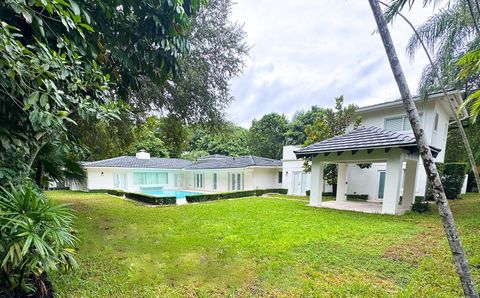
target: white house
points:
(170, 176)
(386, 141)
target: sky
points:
(307, 52)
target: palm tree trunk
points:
(468, 148)
(472, 14)
(461, 263)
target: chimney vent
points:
(142, 154)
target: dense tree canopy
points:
(267, 135)
(296, 131)
(230, 140)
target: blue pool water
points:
(179, 194)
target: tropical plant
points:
(56, 163)
(463, 269)
(35, 238)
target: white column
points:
(342, 182)
(316, 183)
(392, 184)
(409, 183)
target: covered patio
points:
(362, 146)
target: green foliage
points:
(420, 205)
(148, 136)
(152, 200)
(232, 195)
(456, 153)
(229, 139)
(331, 122)
(357, 197)
(296, 129)
(267, 135)
(35, 237)
(452, 176)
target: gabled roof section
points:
(363, 138)
(133, 162)
(234, 162)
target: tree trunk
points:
(468, 148)
(39, 173)
(461, 263)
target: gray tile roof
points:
(234, 162)
(133, 162)
(362, 138)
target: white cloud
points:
(307, 52)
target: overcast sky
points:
(307, 52)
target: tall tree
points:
(229, 139)
(301, 119)
(446, 215)
(442, 85)
(267, 135)
(331, 122)
(201, 90)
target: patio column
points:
(342, 182)
(316, 183)
(392, 184)
(409, 183)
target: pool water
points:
(179, 194)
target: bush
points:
(452, 176)
(153, 200)
(355, 197)
(260, 192)
(35, 238)
(325, 194)
(420, 205)
(116, 192)
(232, 195)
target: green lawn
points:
(260, 247)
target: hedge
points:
(452, 176)
(232, 195)
(325, 194)
(355, 197)
(152, 200)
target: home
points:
(179, 177)
(385, 142)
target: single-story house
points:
(214, 173)
(385, 141)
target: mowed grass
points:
(257, 247)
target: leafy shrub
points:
(35, 238)
(116, 192)
(325, 194)
(452, 176)
(233, 194)
(420, 205)
(355, 197)
(282, 191)
(153, 200)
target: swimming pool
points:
(179, 194)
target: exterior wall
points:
(365, 181)
(103, 178)
(251, 178)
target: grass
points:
(260, 247)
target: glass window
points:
(199, 180)
(394, 124)
(280, 177)
(435, 123)
(214, 180)
(233, 181)
(239, 182)
(150, 178)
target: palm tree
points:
(433, 71)
(53, 163)
(463, 269)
